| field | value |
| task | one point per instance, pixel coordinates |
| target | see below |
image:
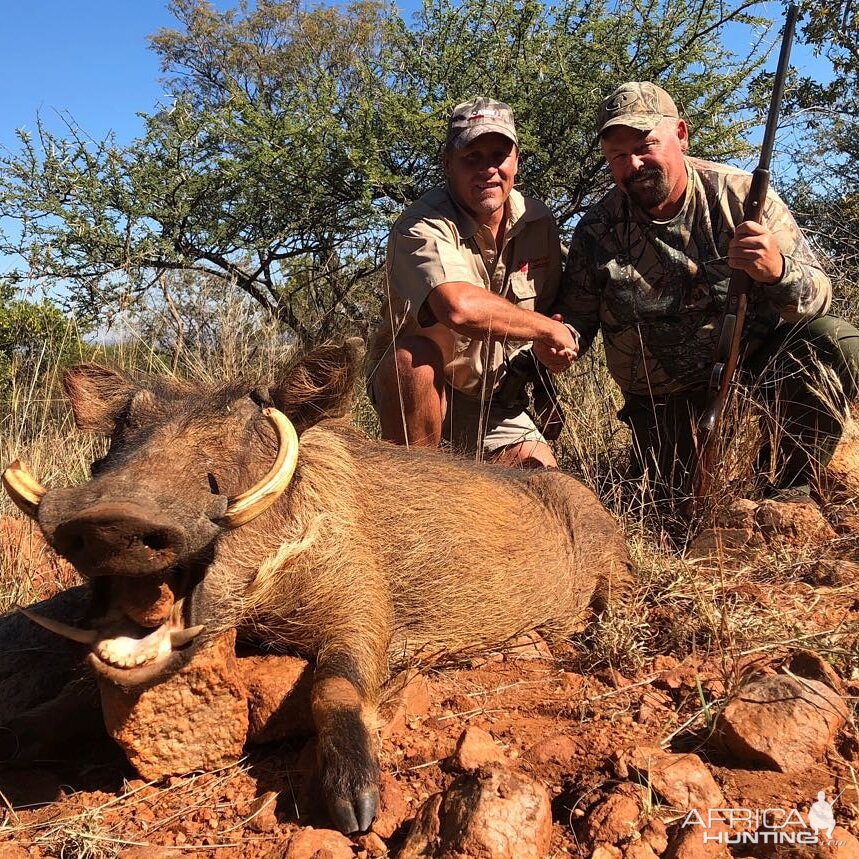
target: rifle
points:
(734, 315)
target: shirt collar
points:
(516, 208)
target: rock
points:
(13, 851)
(714, 542)
(393, 808)
(407, 697)
(682, 780)
(278, 689)
(424, 837)
(653, 704)
(557, 749)
(312, 843)
(491, 813)
(796, 521)
(639, 850)
(812, 666)
(781, 723)
(261, 814)
(150, 853)
(194, 719)
(529, 646)
(840, 477)
(842, 845)
(374, 845)
(740, 513)
(688, 842)
(656, 835)
(833, 572)
(607, 851)
(615, 820)
(474, 748)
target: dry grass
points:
(680, 607)
(101, 831)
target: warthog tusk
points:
(180, 637)
(81, 636)
(23, 488)
(259, 498)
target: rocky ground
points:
(593, 748)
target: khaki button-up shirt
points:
(435, 241)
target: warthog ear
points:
(98, 395)
(320, 383)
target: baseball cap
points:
(479, 116)
(637, 104)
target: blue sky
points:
(87, 58)
(90, 59)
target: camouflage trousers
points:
(804, 375)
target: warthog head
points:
(186, 465)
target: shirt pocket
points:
(523, 290)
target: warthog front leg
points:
(348, 763)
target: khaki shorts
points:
(469, 421)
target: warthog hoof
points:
(349, 772)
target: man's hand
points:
(557, 348)
(754, 250)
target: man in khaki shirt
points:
(473, 269)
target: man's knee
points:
(414, 366)
(408, 393)
(844, 340)
(526, 454)
(834, 343)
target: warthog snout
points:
(119, 539)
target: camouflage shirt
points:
(657, 288)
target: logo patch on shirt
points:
(531, 264)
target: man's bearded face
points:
(649, 166)
(648, 187)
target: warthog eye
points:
(213, 484)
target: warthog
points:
(350, 551)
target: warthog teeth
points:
(121, 651)
(125, 652)
(81, 636)
(180, 637)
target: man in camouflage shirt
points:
(649, 266)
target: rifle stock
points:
(734, 315)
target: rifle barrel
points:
(778, 87)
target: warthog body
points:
(371, 555)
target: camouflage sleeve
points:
(804, 291)
(579, 296)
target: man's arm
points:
(777, 255)
(578, 302)
(478, 313)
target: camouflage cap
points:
(479, 116)
(639, 105)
